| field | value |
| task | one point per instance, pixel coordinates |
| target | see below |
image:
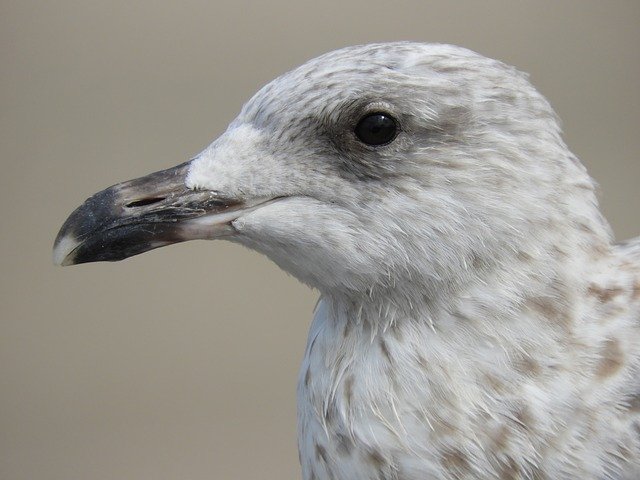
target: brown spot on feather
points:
(476, 261)
(500, 438)
(585, 228)
(552, 309)
(442, 428)
(509, 470)
(346, 329)
(422, 362)
(524, 256)
(495, 383)
(634, 403)
(524, 417)
(397, 333)
(544, 306)
(558, 253)
(600, 250)
(376, 459)
(529, 366)
(455, 461)
(604, 295)
(330, 414)
(612, 359)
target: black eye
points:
(376, 129)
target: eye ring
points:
(377, 128)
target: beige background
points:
(181, 363)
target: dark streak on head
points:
(307, 377)
(321, 452)
(385, 350)
(345, 444)
(348, 390)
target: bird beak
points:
(142, 214)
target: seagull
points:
(476, 319)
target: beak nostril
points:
(144, 201)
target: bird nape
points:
(476, 319)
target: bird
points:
(476, 319)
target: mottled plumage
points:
(476, 319)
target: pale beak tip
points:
(63, 250)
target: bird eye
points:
(376, 129)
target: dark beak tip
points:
(133, 217)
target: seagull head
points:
(365, 169)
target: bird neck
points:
(511, 294)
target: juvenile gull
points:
(476, 319)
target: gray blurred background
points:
(181, 363)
